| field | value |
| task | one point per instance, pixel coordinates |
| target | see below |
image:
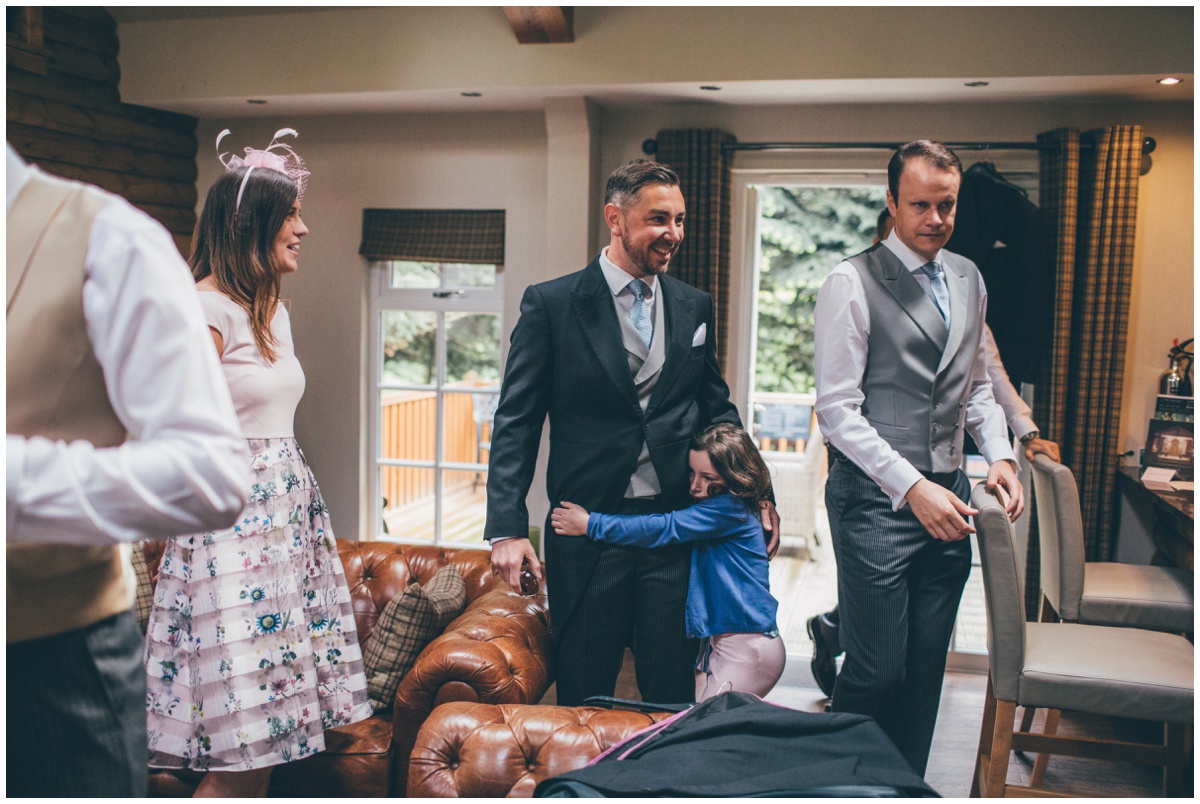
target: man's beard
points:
(641, 258)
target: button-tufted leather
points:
(473, 750)
(497, 651)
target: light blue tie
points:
(639, 314)
(937, 285)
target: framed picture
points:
(1171, 445)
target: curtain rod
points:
(650, 146)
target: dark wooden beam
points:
(542, 25)
(26, 44)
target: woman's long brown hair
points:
(235, 245)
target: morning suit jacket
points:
(567, 362)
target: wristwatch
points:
(1030, 436)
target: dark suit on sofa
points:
(568, 361)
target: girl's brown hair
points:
(737, 461)
(235, 244)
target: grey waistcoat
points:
(918, 375)
(645, 364)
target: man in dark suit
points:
(901, 371)
(622, 359)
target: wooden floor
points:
(952, 757)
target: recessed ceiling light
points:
(976, 84)
(256, 101)
(1170, 80)
(472, 94)
(710, 88)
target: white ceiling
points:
(735, 93)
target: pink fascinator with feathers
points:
(286, 161)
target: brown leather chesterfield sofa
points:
(497, 651)
(480, 750)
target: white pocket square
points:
(700, 336)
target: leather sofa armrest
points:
(498, 651)
(470, 750)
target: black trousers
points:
(635, 597)
(77, 713)
(898, 592)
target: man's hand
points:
(770, 523)
(570, 520)
(940, 511)
(1040, 446)
(509, 555)
(1002, 474)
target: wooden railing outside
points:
(803, 405)
(409, 432)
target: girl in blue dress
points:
(729, 603)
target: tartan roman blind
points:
(434, 235)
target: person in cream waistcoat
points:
(119, 428)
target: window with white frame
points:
(436, 304)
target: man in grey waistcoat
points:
(621, 358)
(901, 370)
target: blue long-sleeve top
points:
(729, 590)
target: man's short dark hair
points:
(628, 180)
(936, 153)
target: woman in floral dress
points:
(251, 651)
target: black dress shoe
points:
(824, 669)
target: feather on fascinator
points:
(288, 162)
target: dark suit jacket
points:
(1018, 274)
(567, 361)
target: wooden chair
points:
(1118, 672)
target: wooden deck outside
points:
(464, 508)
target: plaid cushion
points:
(406, 625)
(143, 600)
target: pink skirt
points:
(252, 650)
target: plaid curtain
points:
(434, 235)
(704, 177)
(1088, 185)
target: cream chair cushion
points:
(1122, 672)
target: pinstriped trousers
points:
(77, 713)
(899, 590)
(635, 597)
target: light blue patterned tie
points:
(937, 284)
(639, 314)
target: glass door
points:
(436, 365)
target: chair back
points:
(1003, 592)
(1060, 534)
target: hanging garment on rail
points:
(998, 228)
(736, 744)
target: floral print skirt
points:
(252, 651)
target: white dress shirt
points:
(843, 325)
(1018, 414)
(185, 466)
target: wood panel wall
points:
(65, 115)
